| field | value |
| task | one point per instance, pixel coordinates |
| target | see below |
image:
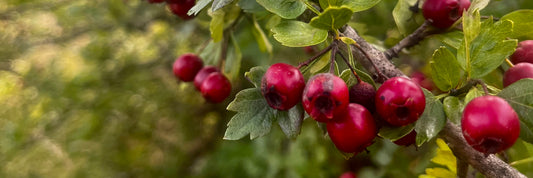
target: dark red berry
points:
(443, 13)
(181, 8)
(348, 174)
(489, 124)
(156, 1)
(202, 74)
(407, 140)
(353, 131)
(363, 93)
(216, 87)
(186, 67)
(421, 79)
(325, 96)
(282, 86)
(523, 53)
(517, 72)
(309, 50)
(400, 101)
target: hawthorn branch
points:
(490, 166)
(411, 40)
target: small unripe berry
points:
(517, 72)
(180, 8)
(489, 124)
(216, 87)
(186, 67)
(421, 79)
(282, 86)
(523, 53)
(443, 13)
(202, 74)
(364, 94)
(353, 131)
(407, 140)
(325, 96)
(400, 101)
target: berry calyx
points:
(181, 7)
(202, 74)
(517, 72)
(216, 87)
(400, 101)
(282, 86)
(364, 94)
(489, 124)
(523, 53)
(186, 67)
(443, 13)
(354, 131)
(407, 140)
(325, 96)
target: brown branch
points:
(409, 41)
(490, 166)
(462, 168)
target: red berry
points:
(354, 131)
(348, 174)
(202, 74)
(519, 71)
(407, 140)
(282, 86)
(490, 124)
(309, 50)
(443, 13)
(186, 67)
(421, 79)
(156, 1)
(363, 93)
(325, 96)
(216, 87)
(180, 8)
(400, 101)
(523, 53)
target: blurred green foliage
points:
(86, 90)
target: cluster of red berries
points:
(346, 112)
(213, 85)
(178, 7)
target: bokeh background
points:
(86, 90)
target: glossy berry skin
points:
(400, 101)
(519, 71)
(489, 124)
(156, 1)
(202, 74)
(186, 67)
(407, 140)
(325, 96)
(354, 131)
(523, 53)
(364, 94)
(216, 87)
(443, 13)
(282, 86)
(348, 174)
(180, 8)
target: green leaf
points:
(250, 6)
(522, 23)
(473, 93)
(445, 70)
(255, 75)
(350, 79)
(216, 26)
(431, 121)
(520, 96)
(292, 123)
(288, 9)
(452, 39)
(478, 5)
(217, 4)
(404, 17)
(320, 64)
(453, 108)
(395, 133)
(198, 7)
(233, 59)
(332, 18)
(261, 38)
(298, 34)
(354, 5)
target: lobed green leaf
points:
(523, 25)
(445, 70)
(431, 121)
(520, 96)
(255, 75)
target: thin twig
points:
(351, 68)
(409, 41)
(332, 58)
(324, 51)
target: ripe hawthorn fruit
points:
(215, 87)
(282, 86)
(517, 72)
(400, 101)
(489, 124)
(443, 13)
(186, 67)
(364, 94)
(181, 7)
(523, 53)
(325, 96)
(202, 74)
(407, 140)
(353, 131)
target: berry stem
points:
(485, 90)
(509, 62)
(351, 68)
(324, 51)
(332, 58)
(523, 161)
